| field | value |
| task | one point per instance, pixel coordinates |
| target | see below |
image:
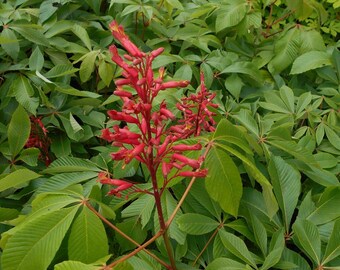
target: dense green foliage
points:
(271, 198)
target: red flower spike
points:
(153, 144)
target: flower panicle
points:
(153, 141)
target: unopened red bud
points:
(120, 116)
(188, 161)
(163, 146)
(137, 61)
(141, 81)
(122, 93)
(120, 82)
(201, 173)
(166, 168)
(157, 52)
(174, 84)
(128, 57)
(186, 147)
(167, 113)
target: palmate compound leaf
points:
(196, 224)
(34, 246)
(287, 186)
(87, 241)
(309, 61)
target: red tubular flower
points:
(174, 84)
(186, 147)
(200, 173)
(187, 161)
(120, 116)
(119, 34)
(121, 184)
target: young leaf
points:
(17, 178)
(237, 247)
(18, 130)
(223, 181)
(307, 236)
(35, 245)
(87, 241)
(196, 224)
(333, 246)
(287, 186)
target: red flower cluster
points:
(38, 138)
(154, 144)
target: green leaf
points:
(260, 233)
(225, 264)
(61, 70)
(8, 214)
(75, 265)
(272, 258)
(286, 50)
(246, 68)
(196, 224)
(35, 245)
(23, 92)
(237, 247)
(287, 187)
(68, 90)
(17, 178)
(141, 208)
(71, 164)
(18, 131)
(82, 34)
(36, 60)
(132, 228)
(11, 47)
(105, 71)
(61, 181)
(309, 61)
(33, 35)
(333, 138)
(234, 85)
(230, 14)
(47, 9)
(333, 246)
(61, 146)
(327, 208)
(306, 235)
(245, 118)
(29, 156)
(223, 181)
(87, 66)
(87, 241)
